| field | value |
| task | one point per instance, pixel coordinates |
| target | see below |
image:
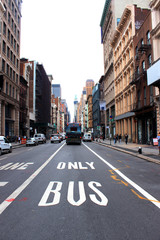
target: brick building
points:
(144, 106)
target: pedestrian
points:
(126, 138)
(19, 139)
(119, 137)
(103, 137)
(114, 138)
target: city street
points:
(81, 192)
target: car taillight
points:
(80, 137)
(66, 137)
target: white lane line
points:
(15, 194)
(3, 158)
(137, 187)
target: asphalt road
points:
(87, 192)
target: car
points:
(5, 145)
(87, 137)
(40, 137)
(31, 142)
(55, 138)
(61, 137)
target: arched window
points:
(148, 37)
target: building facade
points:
(111, 16)
(10, 21)
(144, 107)
(153, 73)
(123, 50)
(96, 110)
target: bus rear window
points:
(73, 129)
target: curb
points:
(18, 146)
(130, 153)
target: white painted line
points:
(137, 187)
(2, 184)
(3, 158)
(15, 194)
(30, 149)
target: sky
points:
(64, 36)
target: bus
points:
(73, 133)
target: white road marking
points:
(30, 149)
(16, 193)
(2, 184)
(137, 187)
(3, 158)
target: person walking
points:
(126, 138)
(120, 137)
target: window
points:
(9, 3)
(12, 8)
(17, 49)
(9, 18)
(5, 13)
(149, 60)
(3, 65)
(142, 42)
(7, 69)
(4, 28)
(12, 24)
(11, 39)
(4, 47)
(145, 96)
(10, 90)
(8, 50)
(16, 78)
(6, 87)
(13, 75)
(13, 92)
(118, 20)
(143, 66)
(10, 73)
(9, 34)
(148, 38)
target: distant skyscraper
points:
(75, 108)
(89, 87)
(56, 90)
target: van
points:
(40, 137)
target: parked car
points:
(61, 137)
(40, 137)
(5, 145)
(87, 137)
(31, 142)
(55, 138)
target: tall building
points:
(75, 109)
(56, 90)
(111, 16)
(10, 21)
(124, 68)
(89, 87)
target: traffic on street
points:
(87, 191)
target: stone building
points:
(10, 22)
(123, 51)
(111, 16)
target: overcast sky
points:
(64, 36)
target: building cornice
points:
(105, 10)
(154, 4)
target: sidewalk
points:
(149, 152)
